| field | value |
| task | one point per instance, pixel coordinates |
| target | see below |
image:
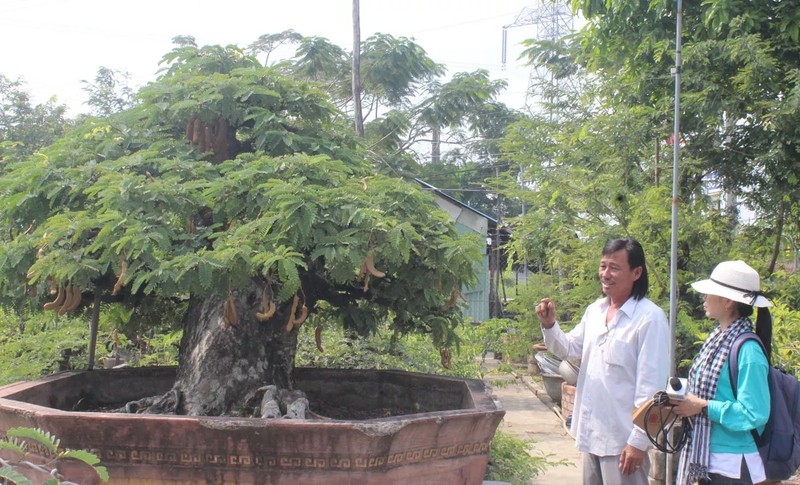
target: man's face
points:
(616, 276)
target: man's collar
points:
(627, 308)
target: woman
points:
(721, 449)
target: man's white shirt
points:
(622, 365)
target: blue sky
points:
(55, 44)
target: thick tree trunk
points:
(224, 369)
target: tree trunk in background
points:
(436, 144)
(776, 250)
(357, 68)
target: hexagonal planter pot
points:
(439, 430)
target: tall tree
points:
(110, 92)
(739, 88)
(231, 189)
(25, 126)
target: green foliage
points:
(512, 460)
(512, 338)
(49, 344)
(291, 203)
(785, 338)
(24, 126)
(17, 440)
(786, 287)
(586, 179)
(110, 92)
(394, 68)
(385, 349)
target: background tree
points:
(593, 163)
(739, 90)
(110, 92)
(25, 126)
(232, 190)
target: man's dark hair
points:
(635, 260)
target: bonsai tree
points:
(239, 194)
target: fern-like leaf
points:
(13, 445)
(38, 435)
(9, 473)
(81, 455)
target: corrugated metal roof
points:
(453, 200)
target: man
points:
(622, 344)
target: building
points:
(467, 219)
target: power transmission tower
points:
(551, 20)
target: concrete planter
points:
(443, 439)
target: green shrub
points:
(511, 460)
(48, 344)
(385, 350)
(786, 338)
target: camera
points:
(677, 388)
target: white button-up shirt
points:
(622, 365)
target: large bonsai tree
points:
(240, 194)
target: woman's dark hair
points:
(763, 325)
(635, 260)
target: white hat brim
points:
(709, 287)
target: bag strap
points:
(733, 365)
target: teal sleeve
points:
(750, 409)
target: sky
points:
(53, 45)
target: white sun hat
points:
(736, 281)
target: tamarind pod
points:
(271, 309)
(77, 297)
(190, 128)
(363, 183)
(268, 312)
(301, 317)
(233, 314)
(445, 358)
(366, 282)
(53, 305)
(41, 252)
(53, 286)
(264, 300)
(205, 139)
(120, 279)
(265, 305)
(318, 337)
(226, 312)
(30, 275)
(69, 296)
(362, 270)
(454, 294)
(370, 263)
(220, 144)
(197, 131)
(290, 320)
